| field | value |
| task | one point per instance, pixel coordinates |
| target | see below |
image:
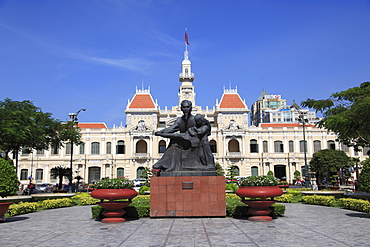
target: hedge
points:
(355, 204)
(319, 200)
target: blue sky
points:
(71, 54)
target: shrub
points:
(319, 200)
(284, 198)
(143, 189)
(57, 203)
(114, 183)
(364, 181)
(231, 186)
(22, 208)
(260, 181)
(355, 204)
(8, 178)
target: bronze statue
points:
(189, 149)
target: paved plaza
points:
(303, 225)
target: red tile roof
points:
(142, 101)
(291, 125)
(231, 100)
(92, 125)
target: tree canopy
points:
(24, 125)
(327, 161)
(346, 113)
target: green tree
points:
(8, 178)
(219, 170)
(364, 181)
(346, 114)
(60, 172)
(24, 125)
(327, 162)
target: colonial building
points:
(275, 145)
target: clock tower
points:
(186, 77)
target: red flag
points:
(186, 38)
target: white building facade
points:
(126, 150)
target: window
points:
(265, 147)
(141, 147)
(254, 171)
(302, 146)
(234, 171)
(24, 174)
(40, 152)
(26, 150)
(213, 146)
(366, 151)
(316, 146)
(95, 148)
(278, 146)
(291, 147)
(344, 148)
(120, 147)
(82, 148)
(233, 146)
(120, 172)
(331, 145)
(68, 148)
(39, 174)
(161, 147)
(109, 148)
(162, 124)
(254, 146)
(140, 172)
(54, 149)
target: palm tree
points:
(60, 172)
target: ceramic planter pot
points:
(262, 192)
(259, 208)
(113, 211)
(4, 206)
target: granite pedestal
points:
(187, 196)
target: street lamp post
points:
(73, 117)
(302, 119)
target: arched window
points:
(254, 171)
(302, 146)
(120, 172)
(39, 174)
(82, 148)
(331, 145)
(108, 148)
(254, 146)
(291, 147)
(95, 148)
(316, 146)
(161, 147)
(68, 148)
(54, 149)
(234, 171)
(233, 146)
(140, 172)
(265, 147)
(24, 174)
(141, 147)
(278, 146)
(120, 148)
(213, 146)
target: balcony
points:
(141, 156)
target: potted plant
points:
(113, 189)
(259, 187)
(8, 184)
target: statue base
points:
(187, 196)
(187, 173)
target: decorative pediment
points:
(233, 126)
(141, 127)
